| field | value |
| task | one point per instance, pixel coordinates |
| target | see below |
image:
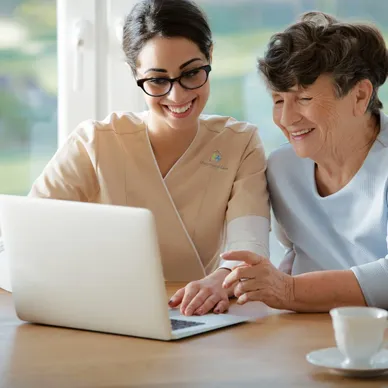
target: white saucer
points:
(332, 358)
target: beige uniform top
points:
(218, 180)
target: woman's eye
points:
(158, 81)
(191, 74)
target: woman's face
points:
(314, 119)
(169, 58)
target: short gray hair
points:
(320, 44)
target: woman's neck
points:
(335, 168)
(169, 144)
(163, 133)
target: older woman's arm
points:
(321, 291)
(366, 284)
(317, 291)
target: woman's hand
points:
(201, 296)
(259, 280)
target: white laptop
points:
(92, 267)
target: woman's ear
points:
(211, 53)
(363, 93)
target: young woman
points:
(203, 177)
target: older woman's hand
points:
(259, 280)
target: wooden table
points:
(268, 352)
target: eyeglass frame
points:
(141, 82)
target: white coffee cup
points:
(359, 333)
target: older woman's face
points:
(314, 118)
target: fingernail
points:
(188, 312)
(216, 311)
(170, 301)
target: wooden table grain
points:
(267, 352)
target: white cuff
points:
(248, 233)
(373, 280)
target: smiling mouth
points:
(301, 132)
(180, 109)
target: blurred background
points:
(28, 72)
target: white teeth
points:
(182, 109)
(302, 132)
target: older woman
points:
(328, 185)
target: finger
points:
(221, 307)
(191, 290)
(245, 286)
(250, 296)
(208, 304)
(245, 256)
(241, 272)
(176, 299)
(197, 301)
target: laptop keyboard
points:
(178, 324)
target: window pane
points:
(28, 91)
(241, 31)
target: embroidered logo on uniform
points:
(216, 157)
(214, 161)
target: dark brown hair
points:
(168, 19)
(320, 44)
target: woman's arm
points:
(259, 280)
(321, 291)
(71, 173)
(248, 213)
(247, 227)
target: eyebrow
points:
(189, 62)
(277, 94)
(157, 70)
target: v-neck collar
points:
(180, 158)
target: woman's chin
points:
(302, 151)
(181, 123)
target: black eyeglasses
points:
(160, 86)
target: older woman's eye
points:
(306, 99)
(277, 102)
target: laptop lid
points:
(86, 266)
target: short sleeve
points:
(71, 173)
